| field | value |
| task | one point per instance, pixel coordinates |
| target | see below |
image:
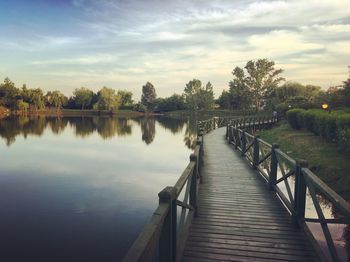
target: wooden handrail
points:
(144, 246)
(295, 202)
(332, 196)
(163, 237)
(184, 177)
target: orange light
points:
(325, 106)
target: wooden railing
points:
(253, 122)
(163, 238)
(292, 181)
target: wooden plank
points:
(250, 252)
(273, 247)
(205, 235)
(239, 219)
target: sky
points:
(66, 44)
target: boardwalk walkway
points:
(239, 219)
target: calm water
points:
(81, 189)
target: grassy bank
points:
(324, 158)
(78, 112)
(205, 114)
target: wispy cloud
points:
(83, 60)
(169, 42)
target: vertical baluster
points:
(193, 188)
(273, 167)
(244, 143)
(236, 137)
(167, 241)
(256, 152)
(299, 191)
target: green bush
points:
(299, 102)
(308, 121)
(332, 126)
(343, 137)
(282, 108)
(293, 118)
(140, 107)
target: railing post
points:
(244, 144)
(256, 152)
(201, 134)
(167, 241)
(236, 135)
(227, 127)
(193, 188)
(273, 167)
(200, 159)
(299, 192)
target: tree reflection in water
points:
(175, 125)
(190, 138)
(148, 128)
(22, 125)
(106, 127)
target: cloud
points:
(84, 60)
(127, 42)
(281, 42)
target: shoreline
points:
(79, 112)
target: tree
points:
(206, 97)
(107, 99)
(83, 97)
(125, 98)
(260, 80)
(171, 103)
(239, 90)
(58, 99)
(148, 96)
(191, 92)
(224, 100)
(34, 97)
(281, 96)
(22, 106)
(9, 94)
(346, 90)
(198, 96)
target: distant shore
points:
(85, 112)
(129, 113)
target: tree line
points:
(259, 85)
(24, 98)
(196, 96)
(256, 86)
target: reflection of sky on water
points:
(79, 198)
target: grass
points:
(324, 158)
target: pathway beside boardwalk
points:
(239, 219)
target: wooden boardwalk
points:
(239, 219)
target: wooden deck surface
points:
(239, 219)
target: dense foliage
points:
(251, 85)
(198, 96)
(333, 126)
(257, 86)
(148, 96)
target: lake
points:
(82, 188)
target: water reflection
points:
(191, 134)
(105, 127)
(69, 186)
